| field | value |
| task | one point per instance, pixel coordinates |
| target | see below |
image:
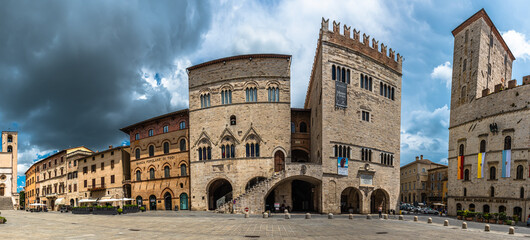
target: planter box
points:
(130, 210)
(105, 211)
(81, 211)
(500, 222)
(492, 221)
(469, 219)
(459, 217)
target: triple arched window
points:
(252, 149)
(205, 100)
(366, 154)
(251, 94)
(226, 96)
(205, 153)
(342, 151)
(274, 94)
(366, 82)
(340, 74)
(228, 151)
(387, 159)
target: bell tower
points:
(10, 146)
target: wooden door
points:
(279, 161)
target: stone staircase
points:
(6, 203)
(252, 197)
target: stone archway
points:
(297, 194)
(253, 182)
(379, 198)
(219, 192)
(168, 201)
(351, 200)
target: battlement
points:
(363, 45)
(500, 87)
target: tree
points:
(22, 199)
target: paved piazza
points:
(206, 225)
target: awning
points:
(87, 200)
(127, 199)
(439, 204)
(37, 204)
(109, 200)
(59, 201)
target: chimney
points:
(110, 146)
(421, 157)
(417, 158)
(526, 80)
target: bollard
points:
(285, 211)
(513, 223)
(464, 225)
(511, 230)
(385, 216)
(415, 218)
(446, 223)
(487, 228)
(351, 216)
(400, 217)
(330, 216)
(308, 216)
(368, 216)
(246, 215)
(265, 215)
(429, 220)
(287, 216)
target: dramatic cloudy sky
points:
(74, 72)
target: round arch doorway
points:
(167, 201)
(279, 160)
(219, 192)
(152, 202)
(72, 202)
(379, 198)
(183, 201)
(350, 200)
(296, 194)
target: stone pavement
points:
(207, 225)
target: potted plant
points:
(515, 218)
(479, 217)
(3, 220)
(494, 217)
(120, 211)
(502, 218)
(468, 216)
(459, 214)
(142, 209)
(508, 222)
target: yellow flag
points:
(479, 165)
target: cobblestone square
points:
(207, 225)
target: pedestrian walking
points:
(380, 211)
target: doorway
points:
(350, 200)
(183, 201)
(152, 202)
(279, 160)
(219, 192)
(302, 195)
(167, 201)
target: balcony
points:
(97, 187)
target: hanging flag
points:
(481, 162)
(460, 167)
(506, 163)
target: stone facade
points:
(29, 190)
(414, 181)
(437, 187)
(486, 122)
(102, 175)
(160, 145)
(8, 163)
(73, 195)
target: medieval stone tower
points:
(8, 163)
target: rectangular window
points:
(85, 170)
(150, 132)
(75, 186)
(112, 164)
(102, 181)
(365, 116)
(102, 166)
(85, 183)
(137, 136)
(93, 167)
(93, 182)
(112, 179)
(166, 129)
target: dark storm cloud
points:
(69, 69)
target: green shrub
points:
(460, 213)
(496, 216)
(502, 216)
(120, 210)
(516, 218)
(487, 216)
(130, 205)
(142, 208)
(508, 222)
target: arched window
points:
(233, 120)
(139, 200)
(183, 171)
(507, 143)
(492, 191)
(182, 145)
(166, 129)
(458, 206)
(519, 174)
(471, 207)
(465, 192)
(521, 192)
(293, 127)
(150, 132)
(151, 173)
(464, 65)
(233, 151)
(343, 75)
(483, 146)
(366, 82)
(486, 209)
(392, 93)
(338, 73)
(381, 88)
(493, 172)
(166, 147)
(348, 76)
(151, 150)
(9, 138)
(138, 175)
(370, 84)
(362, 81)
(502, 209)
(137, 153)
(303, 127)
(166, 171)
(463, 93)
(461, 150)
(333, 74)
(466, 175)
(182, 125)
(340, 151)
(223, 151)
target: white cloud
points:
(443, 161)
(443, 72)
(517, 43)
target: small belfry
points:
(8, 170)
